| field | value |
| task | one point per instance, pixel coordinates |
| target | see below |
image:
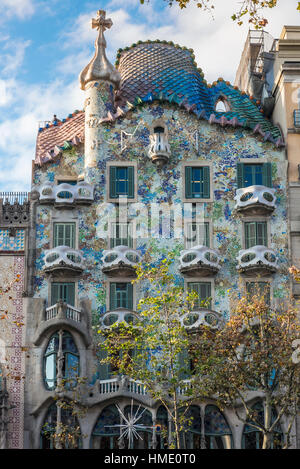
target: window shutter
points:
(240, 175)
(184, 364)
(112, 182)
(250, 235)
(188, 182)
(129, 296)
(205, 293)
(267, 174)
(206, 182)
(104, 368)
(54, 293)
(206, 238)
(113, 296)
(261, 233)
(130, 170)
(70, 294)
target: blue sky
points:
(44, 44)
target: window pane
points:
(64, 292)
(203, 290)
(64, 234)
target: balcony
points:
(121, 261)
(62, 315)
(202, 317)
(199, 261)
(63, 260)
(258, 260)
(159, 150)
(118, 316)
(122, 385)
(255, 200)
(66, 195)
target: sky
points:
(44, 45)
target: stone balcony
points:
(63, 260)
(62, 315)
(159, 150)
(66, 195)
(118, 316)
(199, 261)
(258, 260)
(121, 261)
(255, 200)
(202, 317)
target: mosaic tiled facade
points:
(154, 117)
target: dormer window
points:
(222, 105)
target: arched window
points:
(222, 105)
(217, 431)
(161, 428)
(146, 420)
(70, 362)
(70, 425)
(192, 437)
(253, 438)
(105, 434)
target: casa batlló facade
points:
(158, 163)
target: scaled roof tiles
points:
(163, 71)
(53, 139)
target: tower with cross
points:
(99, 79)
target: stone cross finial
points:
(101, 21)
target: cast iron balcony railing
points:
(120, 261)
(297, 117)
(118, 316)
(63, 259)
(255, 200)
(199, 261)
(202, 317)
(258, 260)
(159, 150)
(66, 195)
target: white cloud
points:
(20, 8)
(217, 44)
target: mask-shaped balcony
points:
(255, 200)
(258, 260)
(199, 261)
(118, 316)
(159, 150)
(66, 195)
(121, 261)
(63, 260)
(202, 317)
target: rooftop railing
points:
(12, 197)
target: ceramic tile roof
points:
(53, 139)
(163, 71)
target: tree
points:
(253, 353)
(254, 10)
(153, 349)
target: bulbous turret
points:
(99, 67)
